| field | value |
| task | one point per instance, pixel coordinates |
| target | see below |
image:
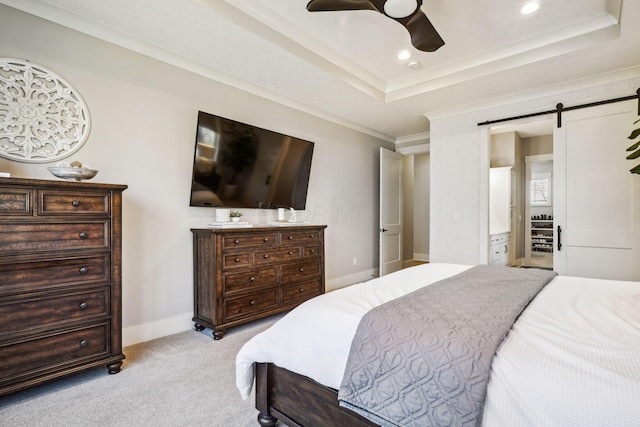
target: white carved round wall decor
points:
(42, 117)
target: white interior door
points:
(597, 200)
(390, 212)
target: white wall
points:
(459, 163)
(143, 131)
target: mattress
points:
(572, 358)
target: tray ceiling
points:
(342, 65)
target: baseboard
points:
(158, 329)
(183, 322)
(344, 281)
(421, 257)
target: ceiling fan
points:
(407, 12)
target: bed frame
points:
(299, 401)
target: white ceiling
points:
(342, 65)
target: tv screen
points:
(237, 165)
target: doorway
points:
(416, 171)
(511, 145)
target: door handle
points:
(382, 230)
(559, 232)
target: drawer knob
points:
(266, 239)
(252, 279)
(84, 343)
(301, 270)
(252, 302)
(235, 242)
(301, 290)
(237, 260)
(290, 237)
(290, 252)
(83, 270)
(265, 256)
(83, 235)
(312, 236)
(75, 203)
(311, 251)
(84, 305)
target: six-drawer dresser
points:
(60, 279)
(244, 274)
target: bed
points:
(572, 357)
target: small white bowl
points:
(73, 174)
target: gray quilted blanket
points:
(424, 359)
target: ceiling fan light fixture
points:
(530, 7)
(400, 8)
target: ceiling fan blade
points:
(424, 36)
(333, 5)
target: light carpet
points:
(186, 379)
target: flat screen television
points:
(237, 165)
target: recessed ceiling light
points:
(404, 54)
(530, 7)
(414, 65)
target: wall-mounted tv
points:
(237, 165)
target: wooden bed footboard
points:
(298, 401)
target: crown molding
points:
(84, 25)
(538, 93)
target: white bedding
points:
(573, 357)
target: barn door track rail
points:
(561, 108)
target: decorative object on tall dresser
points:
(60, 279)
(242, 275)
(42, 117)
(636, 146)
(74, 171)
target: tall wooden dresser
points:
(60, 279)
(245, 274)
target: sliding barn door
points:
(597, 199)
(390, 211)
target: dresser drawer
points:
(38, 274)
(43, 309)
(294, 293)
(311, 251)
(25, 237)
(15, 202)
(300, 237)
(240, 259)
(61, 350)
(237, 308)
(300, 270)
(248, 240)
(277, 255)
(238, 282)
(54, 202)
